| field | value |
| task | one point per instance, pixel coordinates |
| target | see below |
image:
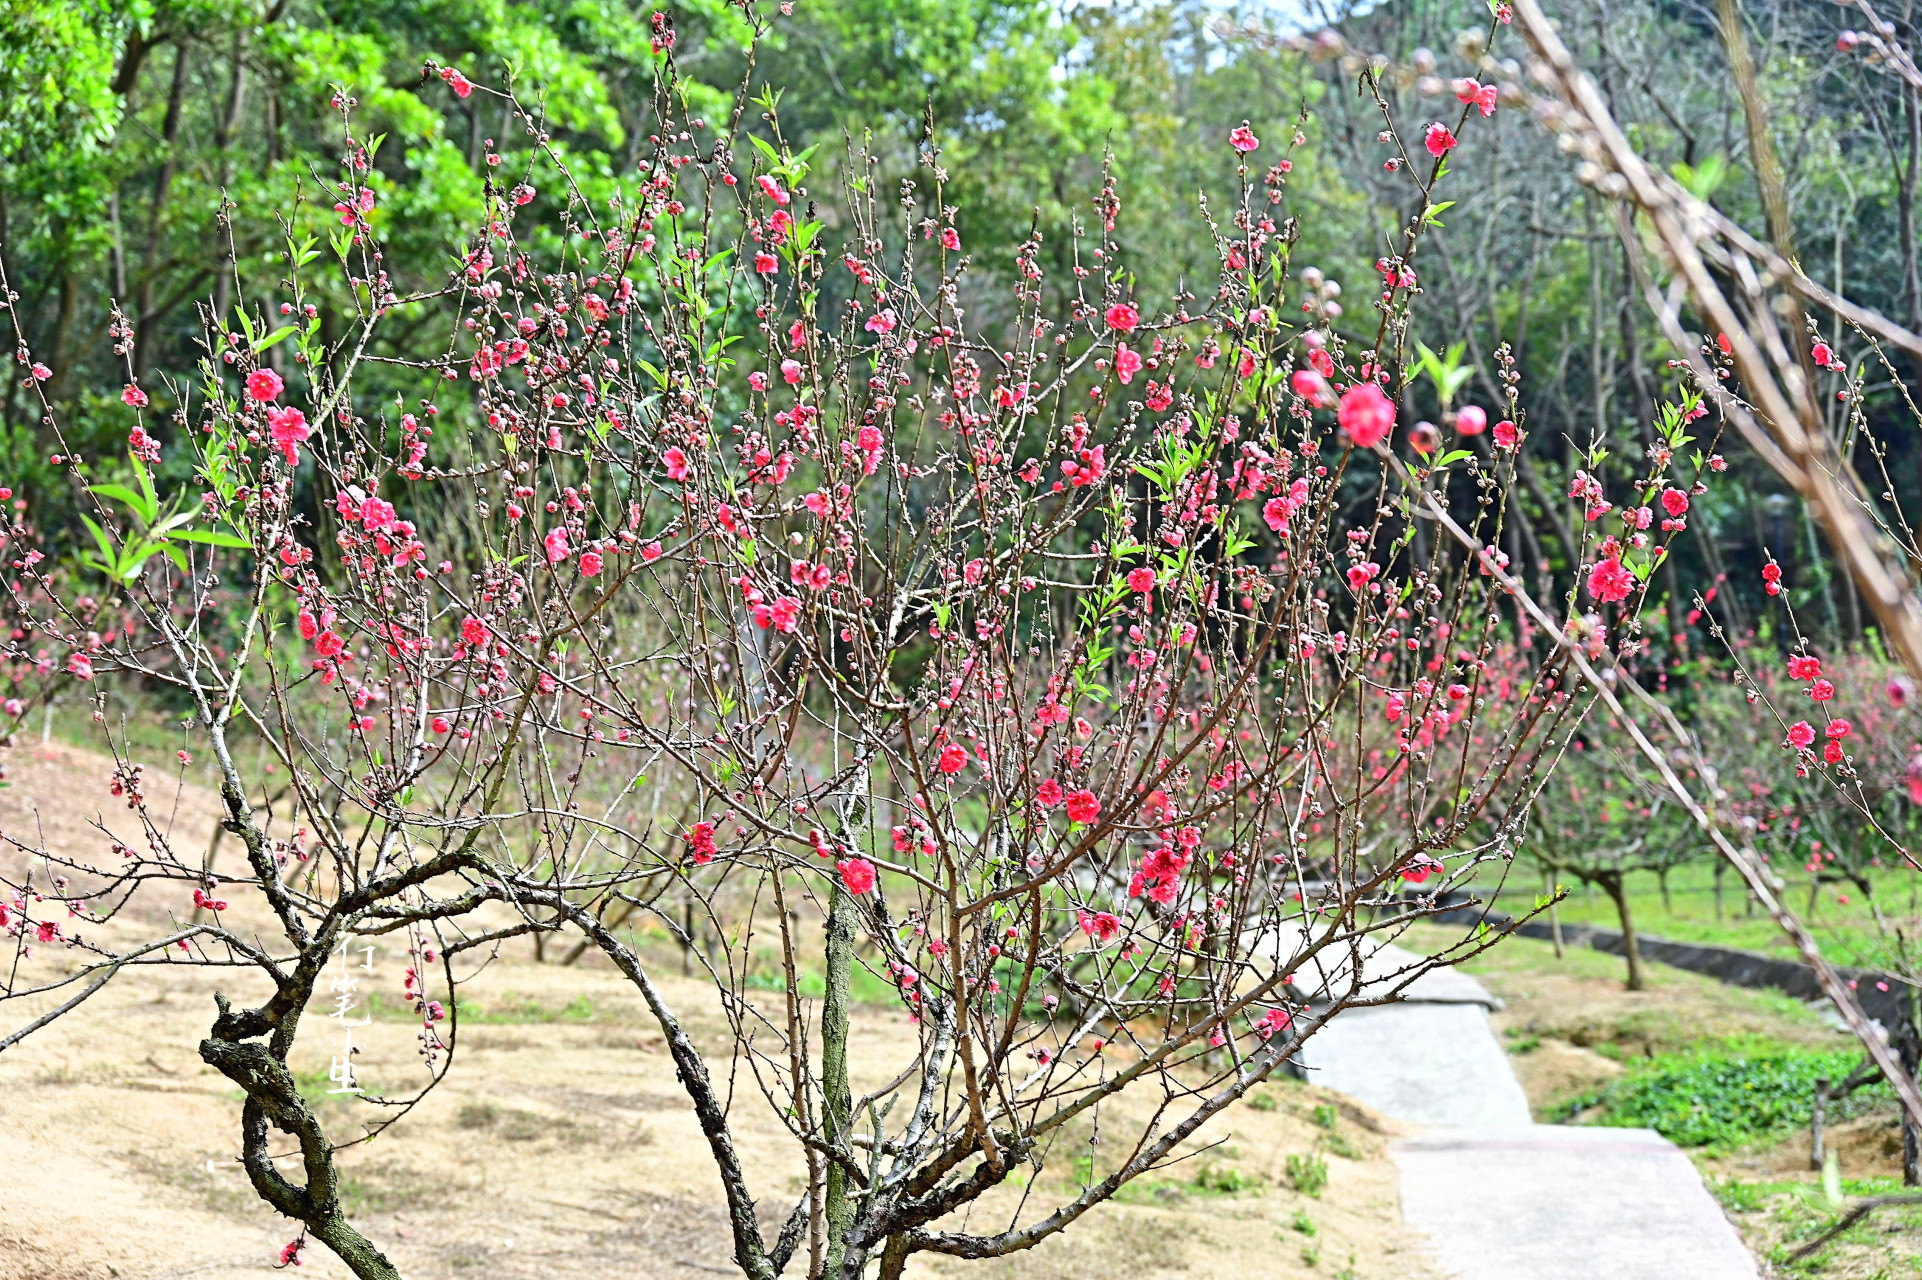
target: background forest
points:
(139, 135)
(135, 136)
(155, 155)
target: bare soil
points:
(561, 1146)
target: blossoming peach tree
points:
(1106, 678)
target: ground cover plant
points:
(1724, 1100)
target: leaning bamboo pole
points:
(1775, 414)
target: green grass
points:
(1214, 1177)
(864, 987)
(1690, 915)
(1724, 1102)
(1801, 1213)
(512, 1009)
(150, 732)
(1308, 1174)
(320, 1091)
(1683, 1013)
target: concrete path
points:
(1569, 1202)
(1503, 1198)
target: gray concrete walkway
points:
(1567, 1202)
(1500, 1197)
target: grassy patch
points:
(1308, 1174)
(1689, 912)
(384, 1189)
(513, 1124)
(863, 986)
(1213, 1178)
(1578, 998)
(1780, 1217)
(221, 1187)
(1224, 1180)
(512, 1009)
(324, 1097)
(1723, 1101)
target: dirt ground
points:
(561, 1146)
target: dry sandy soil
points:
(561, 1145)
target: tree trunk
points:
(894, 1258)
(1815, 1121)
(8, 397)
(1908, 1048)
(1601, 369)
(63, 334)
(144, 317)
(274, 1102)
(117, 260)
(1551, 512)
(837, 1101)
(1631, 950)
(1905, 207)
(224, 134)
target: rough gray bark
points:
(274, 1100)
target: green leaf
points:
(119, 493)
(261, 344)
(107, 552)
(211, 537)
(147, 489)
(1705, 179)
(1446, 371)
(173, 521)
